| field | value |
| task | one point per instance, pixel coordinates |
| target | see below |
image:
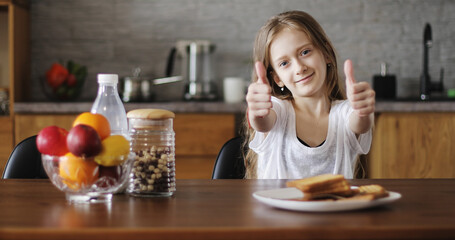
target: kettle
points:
(196, 69)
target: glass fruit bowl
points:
(83, 180)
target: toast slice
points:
(376, 190)
(317, 183)
(341, 189)
(321, 186)
(335, 187)
(367, 193)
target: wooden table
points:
(223, 209)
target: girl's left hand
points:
(360, 94)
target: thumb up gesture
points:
(360, 94)
(259, 94)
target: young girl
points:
(300, 124)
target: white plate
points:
(282, 198)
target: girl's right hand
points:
(259, 94)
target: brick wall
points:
(117, 35)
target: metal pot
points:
(137, 88)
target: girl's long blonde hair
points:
(299, 21)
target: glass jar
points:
(153, 141)
(4, 101)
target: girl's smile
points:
(305, 79)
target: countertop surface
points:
(218, 107)
(415, 106)
(177, 107)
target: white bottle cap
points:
(108, 78)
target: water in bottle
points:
(108, 103)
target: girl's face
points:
(297, 64)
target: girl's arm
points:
(260, 114)
(362, 99)
(359, 124)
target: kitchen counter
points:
(415, 106)
(219, 107)
(177, 107)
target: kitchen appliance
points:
(385, 84)
(196, 69)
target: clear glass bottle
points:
(152, 139)
(108, 103)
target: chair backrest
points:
(229, 162)
(25, 161)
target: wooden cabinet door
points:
(198, 137)
(6, 138)
(413, 145)
(15, 64)
(27, 125)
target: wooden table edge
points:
(189, 233)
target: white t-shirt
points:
(282, 156)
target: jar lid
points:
(150, 114)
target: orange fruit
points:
(96, 121)
(77, 172)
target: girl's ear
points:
(327, 60)
(276, 79)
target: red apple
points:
(83, 141)
(52, 141)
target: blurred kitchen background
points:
(115, 36)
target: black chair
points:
(229, 162)
(25, 161)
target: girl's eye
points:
(283, 64)
(305, 52)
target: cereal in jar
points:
(153, 142)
